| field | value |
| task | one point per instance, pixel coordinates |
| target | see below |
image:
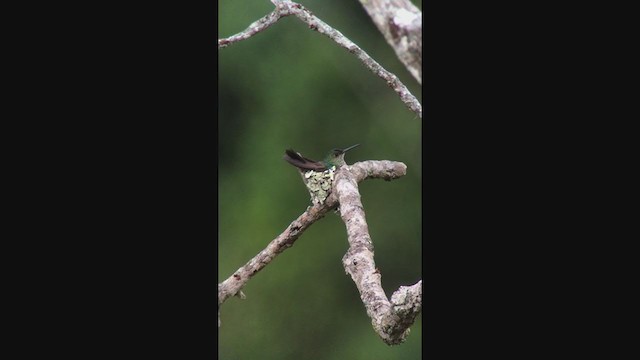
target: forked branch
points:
(390, 319)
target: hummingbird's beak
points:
(349, 148)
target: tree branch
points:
(360, 171)
(286, 8)
(235, 282)
(256, 27)
(400, 21)
(390, 319)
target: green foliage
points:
(290, 87)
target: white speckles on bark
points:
(405, 18)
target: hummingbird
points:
(334, 158)
(318, 175)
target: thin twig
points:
(254, 28)
(286, 8)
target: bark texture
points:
(400, 22)
(390, 319)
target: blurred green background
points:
(292, 87)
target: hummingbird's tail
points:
(302, 162)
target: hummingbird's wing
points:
(302, 162)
